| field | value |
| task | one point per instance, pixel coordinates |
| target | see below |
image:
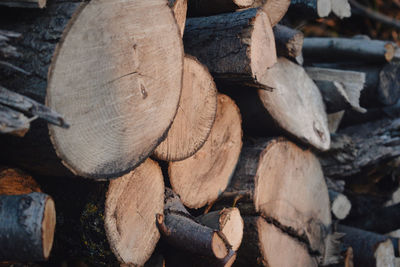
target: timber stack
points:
(195, 133)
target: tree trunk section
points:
(180, 9)
(126, 64)
(16, 182)
(201, 178)
(280, 195)
(275, 9)
(199, 8)
(236, 47)
(196, 114)
(24, 3)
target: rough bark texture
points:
(196, 114)
(24, 3)
(200, 179)
(27, 225)
(320, 49)
(261, 186)
(106, 100)
(198, 8)
(288, 42)
(236, 47)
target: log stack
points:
(244, 120)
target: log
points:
(199, 8)
(351, 81)
(363, 153)
(228, 222)
(273, 195)
(13, 122)
(334, 120)
(109, 223)
(6, 46)
(236, 47)
(279, 111)
(27, 225)
(321, 49)
(16, 182)
(341, 8)
(24, 3)
(288, 42)
(179, 7)
(181, 230)
(196, 114)
(340, 204)
(275, 9)
(311, 8)
(369, 249)
(124, 77)
(201, 178)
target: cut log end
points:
(179, 7)
(218, 246)
(16, 182)
(195, 116)
(384, 254)
(118, 115)
(340, 205)
(275, 9)
(48, 227)
(202, 177)
(130, 213)
(232, 227)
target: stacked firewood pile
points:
(195, 133)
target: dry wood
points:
(13, 122)
(341, 8)
(275, 9)
(288, 42)
(363, 153)
(228, 222)
(320, 49)
(269, 182)
(340, 204)
(24, 3)
(197, 8)
(352, 84)
(196, 114)
(201, 178)
(6, 47)
(180, 9)
(334, 120)
(236, 47)
(27, 224)
(181, 230)
(311, 8)
(129, 71)
(279, 110)
(110, 223)
(369, 249)
(16, 182)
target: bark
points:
(200, 179)
(105, 101)
(340, 204)
(179, 7)
(352, 84)
(228, 222)
(236, 47)
(182, 231)
(259, 187)
(319, 49)
(108, 223)
(199, 8)
(24, 3)
(27, 225)
(196, 114)
(369, 249)
(363, 154)
(310, 9)
(288, 42)
(279, 111)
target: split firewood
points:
(369, 249)
(288, 42)
(321, 49)
(13, 122)
(198, 8)
(180, 9)
(24, 3)
(311, 8)
(279, 111)
(121, 71)
(341, 8)
(182, 231)
(340, 204)
(275, 9)
(196, 114)
(363, 153)
(334, 120)
(278, 207)
(109, 223)
(27, 218)
(340, 89)
(236, 47)
(201, 178)
(228, 222)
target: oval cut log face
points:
(117, 78)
